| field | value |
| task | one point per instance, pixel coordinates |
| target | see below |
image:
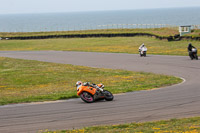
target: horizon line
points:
(98, 10)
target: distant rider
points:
(141, 46)
(190, 47)
(80, 83)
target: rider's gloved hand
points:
(86, 84)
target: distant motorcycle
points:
(143, 51)
(89, 93)
(193, 54)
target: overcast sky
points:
(45, 6)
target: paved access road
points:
(182, 100)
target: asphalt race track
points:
(178, 101)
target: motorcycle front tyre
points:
(108, 95)
(196, 57)
(191, 55)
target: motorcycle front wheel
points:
(108, 95)
(191, 57)
(87, 97)
(196, 57)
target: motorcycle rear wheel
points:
(87, 97)
(108, 95)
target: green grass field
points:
(28, 81)
(156, 31)
(116, 45)
(195, 33)
(187, 125)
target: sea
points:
(72, 21)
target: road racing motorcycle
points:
(193, 54)
(143, 51)
(91, 93)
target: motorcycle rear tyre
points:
(85, 99)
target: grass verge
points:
(156, 31)
(28, 81)
(187, 125)
(194, 33)
(115, 45)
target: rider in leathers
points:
(99, 89)
(190, 48)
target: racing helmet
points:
(78, 83)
